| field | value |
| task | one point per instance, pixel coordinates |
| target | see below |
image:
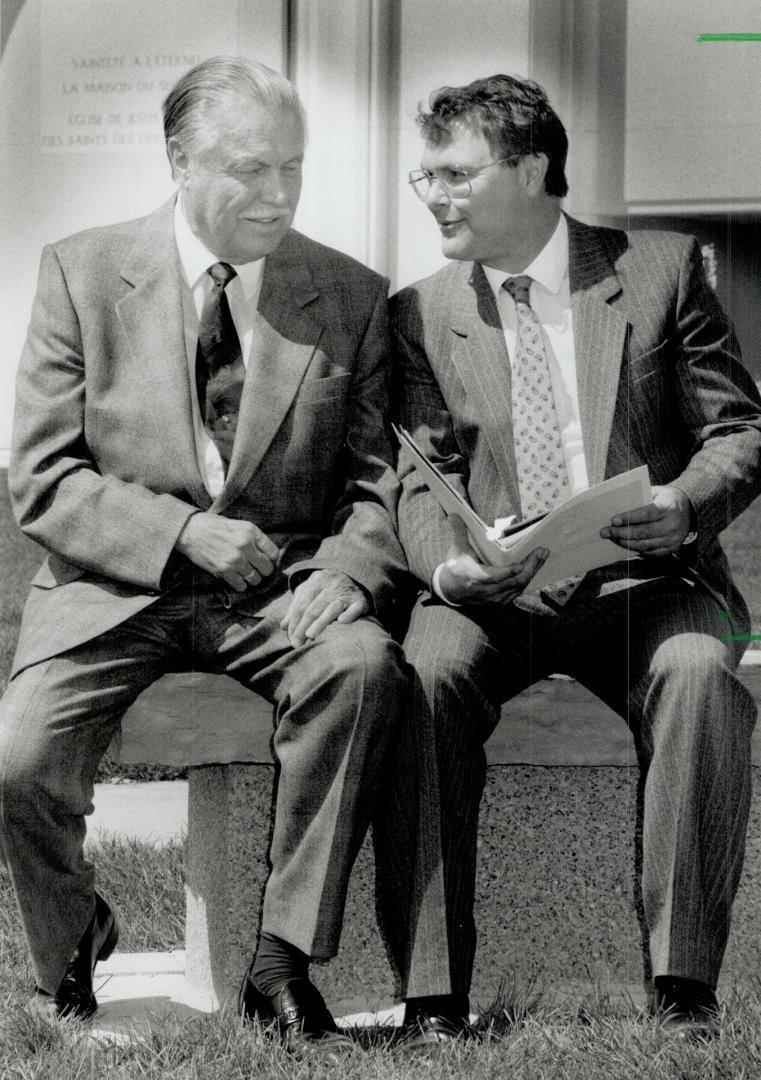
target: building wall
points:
(431, 54)
(77, 79)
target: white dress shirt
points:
(550, 297)
(242, 297)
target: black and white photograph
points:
(380, 539)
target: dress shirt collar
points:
(548, 268)
(195, 257)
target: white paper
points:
(570, 532)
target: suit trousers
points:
(335, 708)
(654, 653)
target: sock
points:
(454, 1007)
(678, 986)
(276, 963)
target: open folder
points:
(570, 532)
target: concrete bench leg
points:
(229, 816)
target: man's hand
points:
(465, 580)
(236, 551)
(324, 597)
(656, 529)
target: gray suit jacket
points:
(659, 378)
(104, 471)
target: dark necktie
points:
(220, 370)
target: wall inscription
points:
(108, 64)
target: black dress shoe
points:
(74, 998)
(686, 1008)
(299, 1016)
(425, 1031)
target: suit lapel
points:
(480, 356)
(152, 318)
(599, 333)
(284, 339)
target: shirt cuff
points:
(436, 585)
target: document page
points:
(570, 532)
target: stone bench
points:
(557, 882)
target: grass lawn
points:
(526, 1037)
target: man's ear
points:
(178, 159)
(535, 166)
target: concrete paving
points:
(135, 990)
(154, 813)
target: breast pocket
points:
(649, 363)
(649, 400)
(313, 391)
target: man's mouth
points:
(449, 226)
(265, 221)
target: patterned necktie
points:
(539, 457)
(220, 370)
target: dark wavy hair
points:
(514, 116)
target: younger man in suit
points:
(546, 357)
(200, 444)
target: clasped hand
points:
(241, 555)
(237, 552)
(659, 528)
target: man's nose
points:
(273, 188)
(435, 195)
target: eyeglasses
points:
(456, 183)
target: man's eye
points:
(453, 176)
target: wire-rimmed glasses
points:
(454, 182)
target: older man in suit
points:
(546, 357)
(201, 445)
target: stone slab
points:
(229, 826)
(557, 900)
(194, 718)
(557, 894)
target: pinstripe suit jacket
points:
(659, 380)
(104, 472)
